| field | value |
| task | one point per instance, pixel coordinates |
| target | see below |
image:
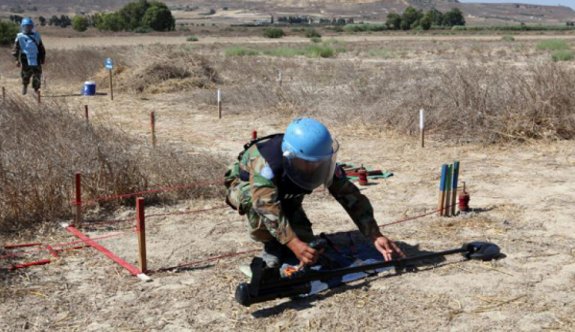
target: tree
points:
(159, 17)
(393, 21)
(426, 21)
(111, 22)
(65, 21)
(80, 23)
(42, 20)
(133, 13)
(410, 18)
(436, 16)
(453, 17)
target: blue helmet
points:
(309, 153)
(27, 21)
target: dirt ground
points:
(522, 198)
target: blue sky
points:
(568, 3)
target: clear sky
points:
(568, 3)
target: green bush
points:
(508, 38)
(192, 38)
(364, 27)
(137, 15)
(159, 17)
(312, 33)
(143, 30)
(80, 23)
(563, 55)
(320, 51)
(240, 51)
(315, 40)
(273, 33)
(552, 45)
(8, 32)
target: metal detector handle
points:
(318, 244)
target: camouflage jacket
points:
(268, 191)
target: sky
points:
(568, 3)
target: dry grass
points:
(42, 148)
(486, 103)
(155, 69)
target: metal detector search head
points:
(484, 251)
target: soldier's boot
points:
(272, 253)
(24, 89)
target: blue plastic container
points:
(89, 88)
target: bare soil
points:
(522, 198)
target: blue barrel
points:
(89, 88)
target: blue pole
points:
(442, 189)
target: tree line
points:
(417, 19)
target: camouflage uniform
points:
(28, 72)
(272, 203)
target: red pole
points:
(86, 113)
(141, 230)
(78, 201)
(25, 265)
(153, 127)
(254, 134)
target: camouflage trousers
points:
(34, 73)
(239, 197)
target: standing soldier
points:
(271, 178)
(29, 53)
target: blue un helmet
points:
(27, 25)
(309, 153)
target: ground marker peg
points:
(141, 231)
(87, 114)
(78, 201)
(153, 127)
(219, 104)
(442, 189)
(454, 186)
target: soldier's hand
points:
(387, 248)
(306, 254)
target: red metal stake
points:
(254, 135)
(141, 231)
(78, 201)
(25, 265)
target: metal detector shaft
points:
(323, 275)
(266, 284)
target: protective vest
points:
(29, 46)
(270, 148)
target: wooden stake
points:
(3, 94)
(219, 104)
(442, 189)
(454, 187)
(141, 230)
(111, 86)
(86, 114)
(78, 202)
(153, 127)
(39, 96)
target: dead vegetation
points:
(42, 148)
